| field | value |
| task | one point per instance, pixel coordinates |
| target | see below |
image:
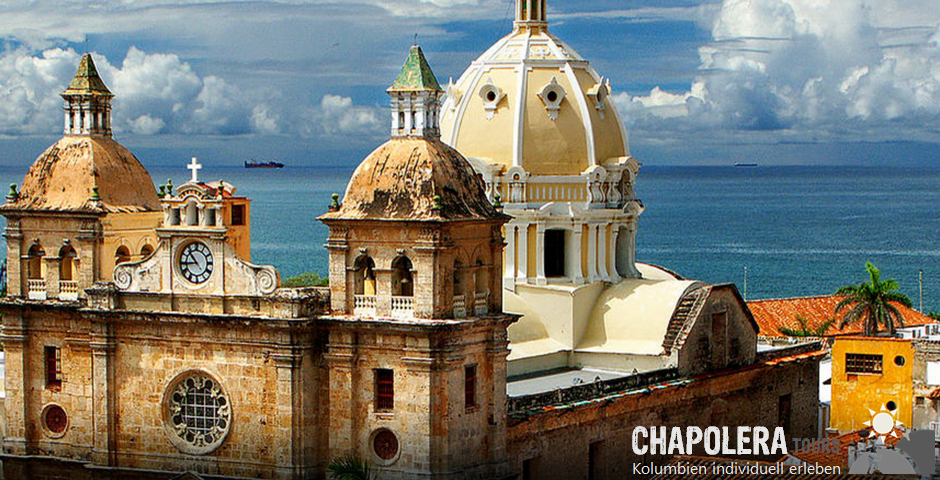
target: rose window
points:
(199, 414)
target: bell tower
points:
(416, 97)
(87, 102)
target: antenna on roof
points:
(416, 39)
(745, 283)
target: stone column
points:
(17, 386)
(509, 277)
(574, 255)
(337, 247)
(428, 292)
(341, 396)
(602, 252)
(289, 400)
(383, 292)
(592, 252)
(522, 261)
(15, 269)
(612, 249)
(540, 255)
(626, 259)
(52, 276)
(103, 394)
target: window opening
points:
(861, 363)
(384, 389)
(554, 253)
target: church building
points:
(141, 342)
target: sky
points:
(838, 82)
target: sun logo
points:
(884, 421)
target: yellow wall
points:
(477, 138)
(131, 230)
(238, 236)
(854, 395)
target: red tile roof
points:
(935, 394)
(773, 314)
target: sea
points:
(775, 231)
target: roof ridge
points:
(778, 299)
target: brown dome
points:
(64, 176)
(400, 180)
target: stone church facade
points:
(141, 342)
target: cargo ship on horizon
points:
(268, 164)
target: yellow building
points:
(871, 374)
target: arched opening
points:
(481, 298)
(192, 214)
(480, 278)
(66, 263)
(459, 283)
(122, 255)
(460, 290)
(365, 276)
(402, 278)
(34, 262)
(146, 251)
(554, 253)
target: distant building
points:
(773, 314)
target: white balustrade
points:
(403, 307)
(364, 305)
(460, 306)
(481, 303)
(68, 290)
(36, 289)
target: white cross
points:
(195, 166)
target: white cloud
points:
(852, 69)
(338, 115)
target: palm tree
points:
(350, 467)
(872, 301)
(805, 330)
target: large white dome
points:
(532, 101)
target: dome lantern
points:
(530, 14)
(416, 96)
(87, 102)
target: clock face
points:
(196, 262)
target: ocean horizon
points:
(797, 230)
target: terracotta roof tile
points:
(773, 314)
(935, 394)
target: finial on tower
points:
(416, 96)
(531, 14)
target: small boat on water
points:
(740, 164)
(269, 164)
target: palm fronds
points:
(872, 302)
(350, 467)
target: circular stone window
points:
(385, 446)
(55, 421)
(198, 414)
(899, 361)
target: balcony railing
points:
(403, 307)
(460, 306)
(481, 303)
(68, 290)
(36, 289)
(936, 430)
(364, 305)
